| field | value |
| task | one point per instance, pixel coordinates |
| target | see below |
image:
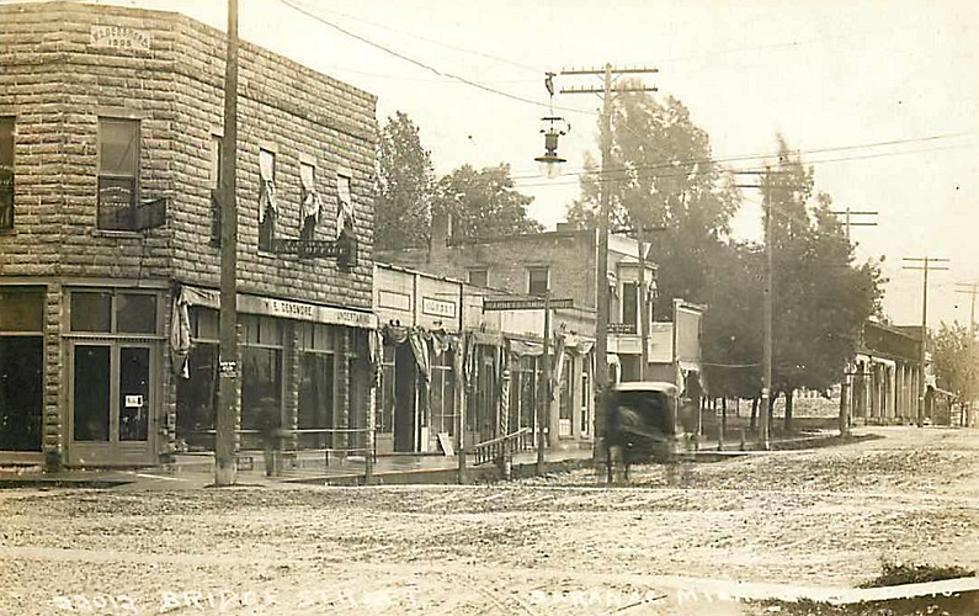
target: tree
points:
(405, 184)
(483, 203)
(821, 297)
(660, 173)
(955, 364)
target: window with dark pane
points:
(537, 280)
(21, 309)
(91, 392)
(478, 277)
(118, 173)
(91, 311)
(134, 393)
(136, 313)
(6, 173)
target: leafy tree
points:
(405, 185)
(483, 202)
(660, 174)
(954, 361)
(821, 296)
(732, 327)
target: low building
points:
(885, 380)
(110, 127)
(452, 366)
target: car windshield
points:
(650, 407)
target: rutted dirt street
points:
(560, 545)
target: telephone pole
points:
(226, 425)
(847, 223)
(601, 275)
(925, 267)
(971, 288)
(845, 385)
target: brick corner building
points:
(110, 127)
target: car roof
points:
(658, 386)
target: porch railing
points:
(503, 446)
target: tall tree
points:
(660, 173)
(483, 202)
(821, 296)
(405, 186)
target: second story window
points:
(630, 303)
(310, 201)
(538, 280)
(118, 173)
(214, 183)
(6, 173)
(478, 277)
(267, 208)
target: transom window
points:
(118, 173)
(113, 312)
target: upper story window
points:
(6, 173)
(478, 277)
(630, 303)
(267, 208)
(214, 183)
(538, 280)
(310, 201)
(118, 173)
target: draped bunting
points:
(180, 334)
(310, 207)
(345, 208)
(266, 197)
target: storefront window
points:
(316, 399)
(21, 368)
(443, 394)
(21, 362)
(261, 391)
(197, 399)
(384, 420)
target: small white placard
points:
(134, 401)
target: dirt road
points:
(685, 540)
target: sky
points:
(834, 77)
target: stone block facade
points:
(67, 69)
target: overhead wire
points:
(423, 65)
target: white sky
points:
(826, 73)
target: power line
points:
(689, 162)
(742, 157)
(425, 66)
(500, 59)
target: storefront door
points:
(112, 403)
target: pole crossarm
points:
(613, 71)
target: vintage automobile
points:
(645, 422)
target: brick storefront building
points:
(110, 125)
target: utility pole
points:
(601, 274)
(847, 223)
(225, 469)
(845, 386)
(971, 288)
(544, 407)
(766, 384)
(925, 267)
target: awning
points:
(282, 308)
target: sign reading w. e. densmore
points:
(301, 311)
(525, 304)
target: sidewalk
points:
(195, 471)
